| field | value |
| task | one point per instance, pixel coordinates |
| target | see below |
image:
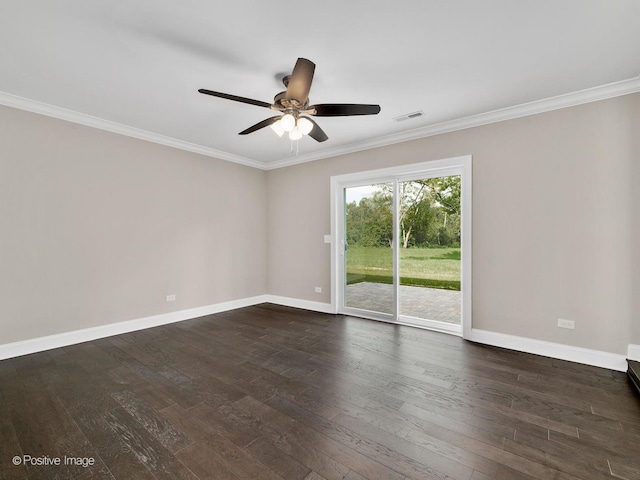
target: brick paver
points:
(419, 302)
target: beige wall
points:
(554, 196)
(98, 228)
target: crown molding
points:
(616, 89)
(72, 116)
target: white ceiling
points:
(140, 63)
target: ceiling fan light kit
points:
(293, 104)
(288, 122)
(304, 125)
(278, 128)
(295, 127)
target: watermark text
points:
(46, 460)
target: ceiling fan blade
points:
(300, 81)
(316, 132)
(262, 124)
(344, 109)
(235, 98)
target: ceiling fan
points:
(293, 104)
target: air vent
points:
(409, 116)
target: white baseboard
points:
(548, 349)
(298, 303)
(49, 342)
(560, 351)
(633, 352)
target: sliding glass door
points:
(429, 249)
(368, 239)
(404, 244)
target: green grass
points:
(429, 267)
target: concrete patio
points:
(419, 302)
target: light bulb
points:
(295, 134)
(277, 127)
(305, 125)
(288, 122)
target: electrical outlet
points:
(570, 324)
(171, 298)
(318, 289)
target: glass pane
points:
(429, 236)
(369, 253)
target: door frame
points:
(436, 168)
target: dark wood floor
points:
(634, 373)
(270, 392)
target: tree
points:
(423, 200)
(445, 191)
(429, 214)
(369, 222)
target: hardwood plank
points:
(74, 386)
(229, 426)
(341, 453)
(623, 448)
(121, 461)
(44, 428)
(235, 459)
(620, 470)
(282, 464)
(147, 450)
(315, 476)
(277, 430)
(486, 431)
(9, 446)
(138, 371)
(280, 393)
(169, 437)
(566, 415)
(248, 416)
(403, 457)
(421, 446)
(202, 463)
(476, 475)
(554, 456)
